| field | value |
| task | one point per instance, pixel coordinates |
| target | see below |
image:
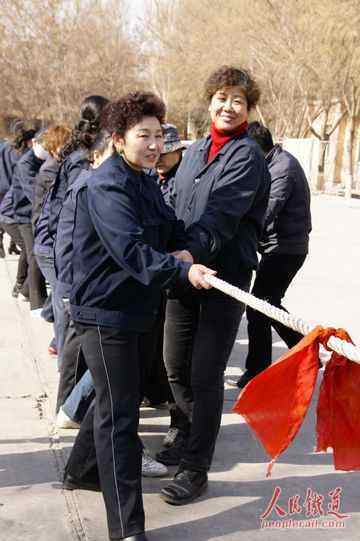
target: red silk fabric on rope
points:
(276, 401)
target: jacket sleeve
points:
(179, 238)
(41, 188)
(280, 190)
(8, 159)
(67, 174)
(73, 170)
(63, 246)
(112, 209)
(228, 203)
(26, 179)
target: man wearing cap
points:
(169, 162)
(155, 384)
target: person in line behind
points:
(169, 162)
(156, 388)
(71, 158)
(52, 140)
(23, 180)
(10, 154)
(284, 246)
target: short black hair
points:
(123, 114)
(261, 135)
(22, 138)
(233, 76)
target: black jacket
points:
(223, 204)
(123, 229)
(63, 246)
(69, 170)
(23, 179)
(43, 182)
(8, 159)
(288, 217)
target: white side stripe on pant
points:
(112, 434)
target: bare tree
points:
(305, 55)
(55, 52)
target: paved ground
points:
(34, 508)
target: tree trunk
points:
(322, 149)
(349, 145)
(321, 168)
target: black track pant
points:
(14, 233)
(273, 277)
(73, 366)
(112, 425)
(37, 287)
(200, 332)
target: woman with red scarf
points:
(222, 188)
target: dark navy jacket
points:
(23, 178)
(223, 204)
(63, 175)
(43, 182)
(63, 247)
(69, 171)
(43, 242)
(288, 217)
(123, 229)
(8, 159)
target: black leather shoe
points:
(186, 487)
(71, 483)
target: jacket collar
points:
(204, 148)
(270, 156)
(206, 143)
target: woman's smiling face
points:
(228, 108)
(142, 144)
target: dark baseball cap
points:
(172, 139)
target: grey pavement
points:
(33, 507)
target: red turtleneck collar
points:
(219, 138)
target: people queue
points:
(124, 226)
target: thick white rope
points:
(296, 323)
